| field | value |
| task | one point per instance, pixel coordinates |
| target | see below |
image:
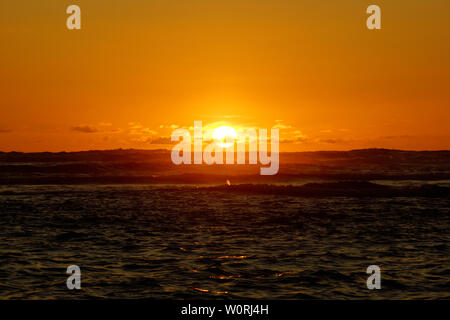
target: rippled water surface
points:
(183, 242)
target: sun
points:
(222, 134)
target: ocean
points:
(171, 241)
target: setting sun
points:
(223, 134)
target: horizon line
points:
(284, 152)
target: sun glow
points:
(224, 136)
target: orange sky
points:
(139, 68)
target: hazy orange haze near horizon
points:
(137, 69)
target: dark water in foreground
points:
(182, 242)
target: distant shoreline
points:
(155, 167)
(168, 150)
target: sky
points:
(139, 69)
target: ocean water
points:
(182, 242)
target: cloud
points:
(280, 125)
(139, 129)
(300, 138)
(332, 141)
(140, 134)
(85, 129)
(135, 127)
(104, 128)
(161, 140)
(397, 137)
(5, 131)
(148, 131)
(171, 126)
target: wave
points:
(338, 189)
